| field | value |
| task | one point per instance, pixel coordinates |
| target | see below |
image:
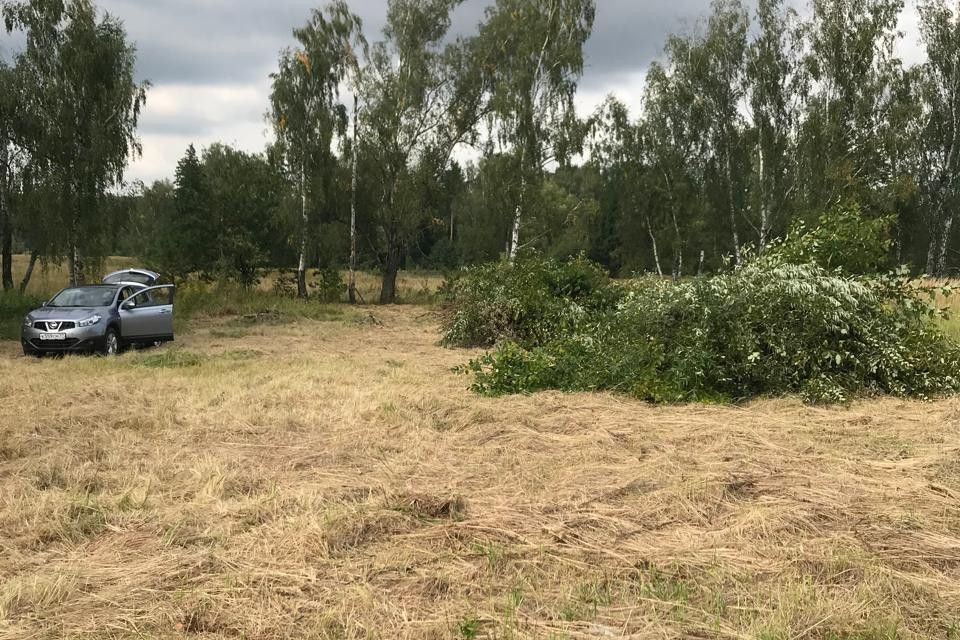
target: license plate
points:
(44, 337)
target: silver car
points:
(127, 309)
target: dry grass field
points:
(336, 480)
(50, 278)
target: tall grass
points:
(220, 300)
(197, 299)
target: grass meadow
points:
(322, 471)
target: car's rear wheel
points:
(111, 343)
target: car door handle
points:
(165, 312)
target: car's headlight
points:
(89, 322)
(27, 322)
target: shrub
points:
(767, 328)
(843, 239)
(328, 285)
(285, 283)
(529, 301)
(13, 308)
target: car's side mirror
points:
(44, 303)
(129, 304)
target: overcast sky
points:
(209, 61)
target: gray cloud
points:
(209, 60)
(198, 52)
(213, 41)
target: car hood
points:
(64, 313)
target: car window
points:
(153, 298)
(84, 297)
(163, 296)
(142, 300)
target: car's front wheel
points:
(30, 353)
(111, 343)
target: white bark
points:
(538, 80)
(518, 214)
(764, 205)
(656, 250)
(353, 205)
(305, 221)
(733, 211)
(515, 235)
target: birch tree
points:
(673, 127)
(717, 66)
(532, 55)
(940, 141)
(772, 75)
(619, 147)
(305, 108)
(84, 109)
(420, 101)
(850, 65)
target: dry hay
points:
(339, 482)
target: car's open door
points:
(148, 314)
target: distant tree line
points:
(754, 123)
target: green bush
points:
(768, 328)
(13, 308)
(328, 285)
(844, 239)
(528, 302)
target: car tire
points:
(111, 343)
(30, 353)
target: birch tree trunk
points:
(678, 237)
(515, 233)
(933, 248)
(6, 227)
(764, 205)
(304, 221)
(656, 250)
(941, 226)
(678, 258)
(943, 244)
(75, 260)
(733, 211)
(75, 266)
(353, 207)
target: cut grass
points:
(246, 308)
(336, 480)
(413, 287)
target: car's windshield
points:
(84, 297)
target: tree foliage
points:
(420, 101)
(305, 107)
(80, 107)
(531, 53)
